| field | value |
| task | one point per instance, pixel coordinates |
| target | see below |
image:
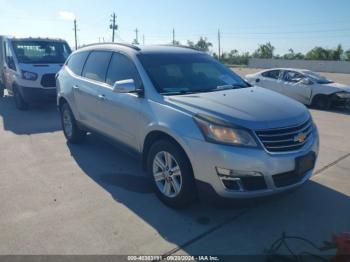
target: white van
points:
(28, 67)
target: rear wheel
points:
(322, 102)
(171, 173)
(71, 130)
(19, 101)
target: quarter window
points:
(122, 68)
(274, 74)
(76, 62)
(96, 65)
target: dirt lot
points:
(94, 199)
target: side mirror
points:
(306, 81)
(124, 86)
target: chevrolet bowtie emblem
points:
(300, 138)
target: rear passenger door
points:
(271, 80)
(87, 92)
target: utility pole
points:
(113, 26)
(173, 36)
(137, 36)
(143, 39)
(75, 34)
(219, 43)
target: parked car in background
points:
(304, 86)
(28, 67)
(198, 126)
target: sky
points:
(244, 24)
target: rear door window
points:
(274, 74)
(76, 62)
(96, 65)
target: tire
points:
(175, 186)
(2, 92)
(322, 102)
(71, 130)
(19, 101)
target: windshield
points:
(317, 78)
(36, 52)
(188, 73)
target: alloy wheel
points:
(167, 174)
(67, 122)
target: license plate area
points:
(305, 163)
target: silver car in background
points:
(303, 85)
(200, 129)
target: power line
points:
(113, 26)
(75, 34)
(136, 36)
(173, 36)
(219, 43)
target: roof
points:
(34, 39)
(151, 49)
(286, 68)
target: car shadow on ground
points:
(313, 211)
(42, 118)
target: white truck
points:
(28, 67)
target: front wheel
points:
(171, 173)
(322, 102)
(70, 128)
(19, 101)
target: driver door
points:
(291, 86)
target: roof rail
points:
(114, 43)
(182, 46)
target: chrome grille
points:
(287, 138)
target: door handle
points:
(102, 97)
(75, 87)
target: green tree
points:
(319, 53)
(347, 54)
(264, 51)
(337, 53)
(203, 44)
(292, 55)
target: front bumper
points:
(341, 102)
(35, 95)
(276, 170)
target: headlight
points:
(29, 75)
(343, 95)
(217, 133)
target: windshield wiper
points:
(178, 93)
(225, 87)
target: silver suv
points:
(200, 128)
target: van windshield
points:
(175, 73)
(37, 52)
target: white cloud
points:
(66, 15)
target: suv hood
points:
(254, 108)
(41, 68)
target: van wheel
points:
(70, 128)
(171, 173)
(19, 101)
(2, 92)
(322, 102)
